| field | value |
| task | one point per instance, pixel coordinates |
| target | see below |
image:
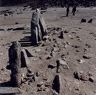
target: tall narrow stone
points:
(36, 34)
(15, 63)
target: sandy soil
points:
(79, 40)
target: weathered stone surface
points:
(24, 58)
(56, 84)
(45, 38)
(28, 53)
(9, 91)
(15, 63)
(81, 61)
(40, 84)
(51, 66)
(43, 26)
(87, 56)
(92, 78)
(18, 28)
(90, 21)
(63, 63)
(81, 76)
(36, 34)
(61, 35)
(83, 20)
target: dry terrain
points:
(76, 49)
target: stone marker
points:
(24, 58)
(58, 66)
(38, 28)
(56, 84)
(61, 35)
(15, 63)
(43, 26)
(36, 35)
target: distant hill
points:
(40, 3)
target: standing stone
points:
(61, 35)
(58, 66)
(56, 84)
(43, 27)
(24, 58)
(36, 35)
(15, 63)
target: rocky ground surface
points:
(75, 51)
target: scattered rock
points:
(16, 23)
(45, 38)
(2, 30)
(37, 74)
(61, 35)
(90, 21)
(19, 28)
(56, 84)
(91, 79)
(63, 63)
(86, 56)
(81, 76)
(40, 84)
(47, 84)
(52, 54)
(45, 78)
(66, 31)
(9, 29)
(81, 61)
(30, 74)
(75, 46)
(51, 66)
(89, 46)
(39, 89)
(48, 57)
(83, 20)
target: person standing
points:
(74, 10)
(67, 10)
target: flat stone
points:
(9, 90)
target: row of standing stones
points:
(18, 57)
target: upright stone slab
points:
(43, 26)
(57, 85)
(15, 63)
(24, 58)
(61, 35)
(36, 34)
